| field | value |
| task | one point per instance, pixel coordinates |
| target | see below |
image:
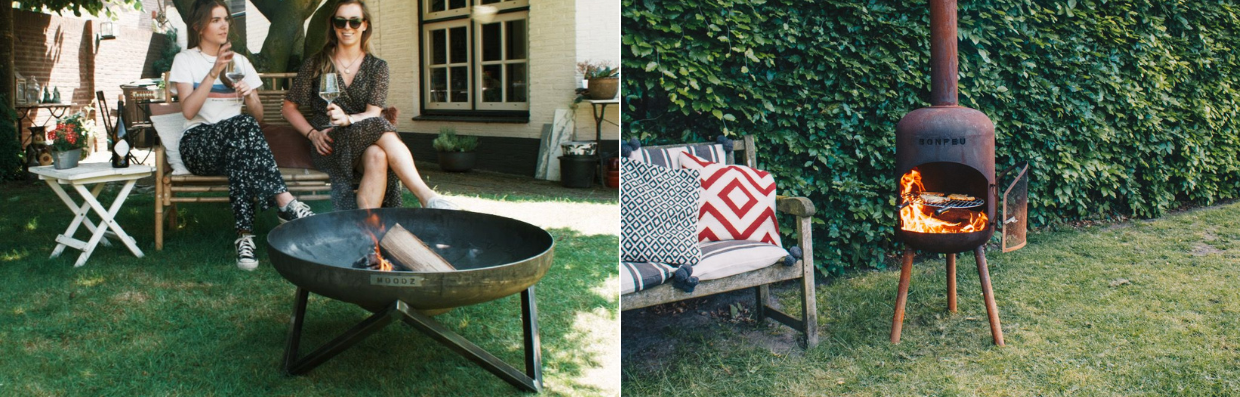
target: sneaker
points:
(441, 203)
(245, 252)
(294, 210)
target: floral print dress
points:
(369, 87)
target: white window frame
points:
(426, 35)
(503, 104)
(428, 14)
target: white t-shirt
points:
(192, 66)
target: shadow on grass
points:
(185, 320)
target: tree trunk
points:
(283, 48)
(6, 53)
(316, 32)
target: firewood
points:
(406, 248)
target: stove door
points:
(1016, 208)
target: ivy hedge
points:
(1121, 107)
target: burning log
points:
(407, 249)
(375, 261)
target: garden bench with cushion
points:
(729, 265)
(174, 184)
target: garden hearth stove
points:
(949, 149)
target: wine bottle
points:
(120, 145)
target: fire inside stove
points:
(924, 212)
(374, 260)
(407, 251)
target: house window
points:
(474, 60)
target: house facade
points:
(503, 70)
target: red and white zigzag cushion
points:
(738, 202)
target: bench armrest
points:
(798, 206)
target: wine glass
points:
(235, 74)
(329, 87)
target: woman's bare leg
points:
(374, 178)
(282, 199)
(401, 161)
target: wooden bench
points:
(287, 144)
(760, 279)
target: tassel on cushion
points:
(727, 143)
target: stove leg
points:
(533, 347)
(467, 349)
(294, 331)
(906, 272)
(992, 310)
(359, 332)
(951, 283)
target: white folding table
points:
(97, 174)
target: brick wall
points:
(60, 51)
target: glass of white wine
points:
(235, 74)
(329, 87)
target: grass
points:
(186, 321)
(1142, 308)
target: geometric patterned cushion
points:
(738, 202)
(730, 257)
(670, 157)
(636, 276)
(658, 214)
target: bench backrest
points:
(741, 148)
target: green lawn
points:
(1137, 308)
(186, 321)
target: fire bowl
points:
(946, 243)
(494, 257)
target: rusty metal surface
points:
(496, 257)
(955, 134)
(952, 146)
(943, 63)
(1016, 210)
(947, 243)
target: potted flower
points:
(602, 79)
(67, 141)
(456, 152)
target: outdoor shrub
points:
(1124, 107)
(449, 141)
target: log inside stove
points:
(401, 250)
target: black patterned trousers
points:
(237, 149)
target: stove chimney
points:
(944, 66)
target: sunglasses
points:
(341, 22)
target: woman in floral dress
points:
(352, 142)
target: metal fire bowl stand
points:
(495, 257)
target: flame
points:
(916, 217)
(375, 224)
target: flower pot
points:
(456, 161)
(577, 171)
(604, 88)
(579, 148)
(613, 172)
(66, 159)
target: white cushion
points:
(731, 257)
(170, 128)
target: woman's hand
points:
(320, 140)
(243, 89)
(338, 116)
(222, 59)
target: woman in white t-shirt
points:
(218, 139)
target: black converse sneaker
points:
(294, 210)
(245, 252)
